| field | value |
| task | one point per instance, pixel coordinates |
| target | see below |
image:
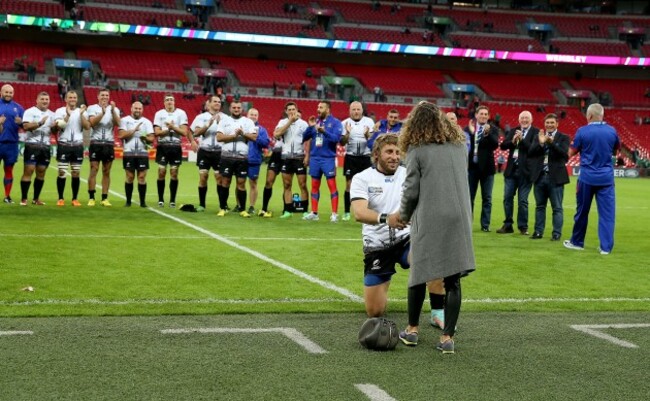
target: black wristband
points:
(382, 218)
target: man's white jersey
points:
(357, 143)
(239, 147)
(384, 194)
(134, 146)
(176, 117)
(209, 139)
(292, 146)
(41, 135)
(73, 133)
(103, 131)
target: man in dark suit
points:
(517, 173)
(484, 139)
(548, 155)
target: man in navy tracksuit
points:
(325, 133)
(255, 156)
(596, 142)
(11, 114)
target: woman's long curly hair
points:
(427, 124)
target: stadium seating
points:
(266, 27)
(36, 53)
(385, 36)
(143, 65)
(616, 49)
(272, 8)
(403, 81)
(624, 93)
(25, 94)
(37, 8)
(580, 26)
(142, 3)
(138, 17)
(508, 87)
(498, 43)
(478, 20)
(263, 73)
(362, 13)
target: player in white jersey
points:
(136, 133)
(357, 130)
(37, 123)
(103, 118)
(204, 128)
(234, 132)
(70, 121)
(170, 125)
(376, 194)
(295, 156)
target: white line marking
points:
(16, 333)
(94, 301)
(173, 237)
(374, 393)
(326, 284)
(289, 332)
(594, 330)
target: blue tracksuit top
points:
(383, 129)
(10, 110)
(255, 148)
(323, 145)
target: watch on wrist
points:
(382, 218)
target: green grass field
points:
(97, 271)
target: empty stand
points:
(38, 8)
(263, 73)
(580, 26)
(624, 92)
(498, 43)
(478, 20)
(386, 36)
(268, 8)
(616, 49)
(363, 13)
(303, 29)
(142, 65)
(141, 3)
(136, 17)
(518, 88)
(403, 81)
(36, 53)
(25, 94)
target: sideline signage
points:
(618, 172)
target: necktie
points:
(477, 138)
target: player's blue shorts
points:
(9, 153)
(253, 171)
(320, 166)
(379, 266)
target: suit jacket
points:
(558, 156)
(523, 146)
(486, 147)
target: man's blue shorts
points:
(319, 166)
(253, 171)
(9, 153)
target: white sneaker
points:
(311, 216)
(334, 218)
(569, 245)
(346, 217)
(602, 252)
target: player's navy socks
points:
(38, 186)
(203, 191)
(161, 190)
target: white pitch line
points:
(209, 301)
(289, 332)
(173, 237)
(594, 330)
(326, 284)
(16, 333)
(374, 393)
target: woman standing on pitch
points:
(436, 202)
